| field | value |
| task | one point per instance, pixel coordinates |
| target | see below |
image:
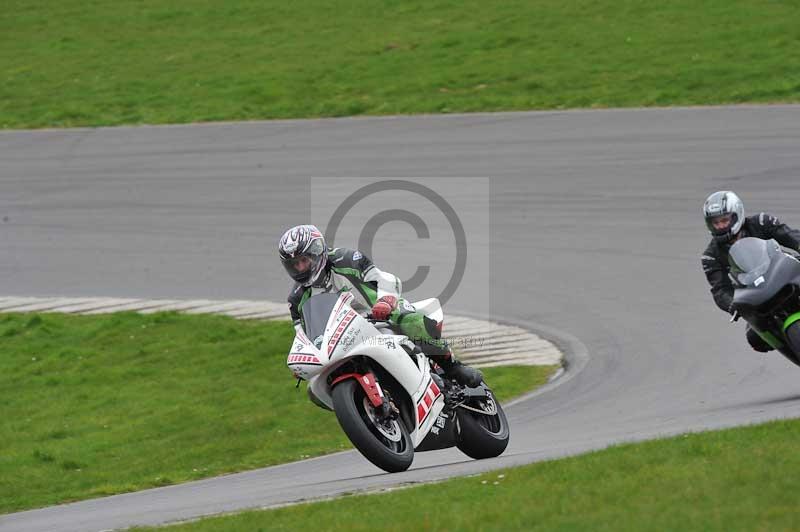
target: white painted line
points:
(504, 350)
(163, 305)
(172, 305)
(494, 336)
(220, 307)
(265, 315)
(94, 304)
(554, 361)
(485, 327)
(50, 304)
(10, 303)
(519, 355)
(474, 332)
(260, 309)
(528, 343)
(133, 306)
(15, 302)
(262, 316)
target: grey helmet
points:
(724, 203)
(303, 253)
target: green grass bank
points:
(738, 479)
(70, 63)
(98, 405)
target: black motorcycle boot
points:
(459, 372)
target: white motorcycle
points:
(388, 397)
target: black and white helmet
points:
(303, 253)
(724, 214)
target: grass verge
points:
(152, 61)
(98, 405)
(739, 479)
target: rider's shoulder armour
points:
(350, 260)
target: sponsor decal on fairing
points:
(426, 402)
(348, 318)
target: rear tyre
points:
(482, 435)
(386, 444)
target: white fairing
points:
(347, 335)
(304, 359)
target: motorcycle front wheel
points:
(483, 428)
(793, 340)
(385, 443)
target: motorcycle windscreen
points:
(750, 258)
(315, 315)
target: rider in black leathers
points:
(724, 215)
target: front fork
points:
(383, 405)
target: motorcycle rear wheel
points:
(388, 444)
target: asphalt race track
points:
(596, 230)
